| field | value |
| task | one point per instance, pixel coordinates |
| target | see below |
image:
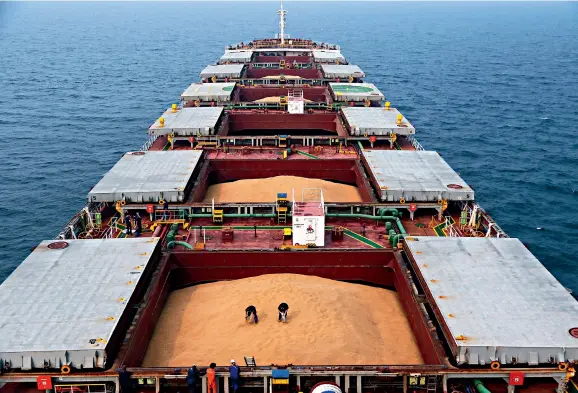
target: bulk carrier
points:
(79, 313)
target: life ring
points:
(562, 366)
(402, 200)
(123, 202)
(365, 134)
(161, 202)
(440, 201)
(495, 365)
(65, 369)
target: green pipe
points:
(370, 217)
(395, 239)
(480, 386)
(394, 212)
(357, 215)
(344, 215)
(360, 145)
(254, 215)
(390, 237)
(266, 215)
(179, 243)
(400, 226)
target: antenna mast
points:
(282, 14)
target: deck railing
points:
(147, 145)
(415, 143)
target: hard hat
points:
(232, 360)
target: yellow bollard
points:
(174, 108)
(161, 122)
(399, 118)
(387, 104)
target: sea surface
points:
(492, 86)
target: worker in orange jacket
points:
(211, 379)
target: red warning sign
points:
(516, 378)
(44, 382)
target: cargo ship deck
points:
(284, 162)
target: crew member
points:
(137, 224)
(193, 375)
(124, 380)
(212, 379)
(251, 311)
(166, 210)
(283, 307)
(234, 375)
(128, 223)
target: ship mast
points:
(282, 14)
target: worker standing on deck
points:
(283, 307)
(165, 210)
(234, 375)
(251, 312)
(128, 223)
(137, 224)
(124, 380)
(193, 375)
(212, 379)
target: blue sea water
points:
(492, 86)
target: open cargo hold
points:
(321, 312)
(341, 171)
(189, 268)
(303, 73)
(283, 123)
(249, 94)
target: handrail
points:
(147, 145)
(415, 143)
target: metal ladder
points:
(217, 214)
(431, 384)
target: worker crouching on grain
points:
(193, 375)
(283, 308)
(212, 379)
(251, 313)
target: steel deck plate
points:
(420, 176)
(223, 71)
(148, 177)
(188, 121)
(328, 56)
(375, 121)
(341, 71)
(209, 92)
(237, 57)
(495, 300)
(58, 300)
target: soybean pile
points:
(329, 323)
(266, 189)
